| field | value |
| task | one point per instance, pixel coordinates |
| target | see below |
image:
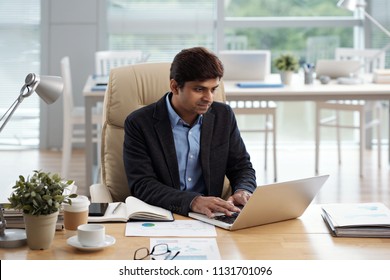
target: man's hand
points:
(208, 205)
(240, 197)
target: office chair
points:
(371, 59)
(73, 119)
(129, 88)
(105, 60)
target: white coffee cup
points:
(91, 235)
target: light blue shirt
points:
(187, 144)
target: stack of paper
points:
(381, 76)
(14, 219)
(357, 219)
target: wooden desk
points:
(295, 92)
(300, 239)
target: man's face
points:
(194, 99)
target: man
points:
(178, 150)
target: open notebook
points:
(270, 203)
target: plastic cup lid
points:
(80, 202)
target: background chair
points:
(267, 110)
(129, 88)
(73, 119)
(264, 110)
(105, 60)
(371, 59)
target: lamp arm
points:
(381, 27)
(11, 111)
(27, 89)
(374, 21)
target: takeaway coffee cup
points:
(77, 213)
(91, 235)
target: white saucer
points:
(74, 242)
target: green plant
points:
(40, 194)
(287, 62)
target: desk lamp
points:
(49, 88)
(352, 5)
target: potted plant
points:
(40, 197)
(287, 64)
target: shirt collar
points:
(174, 118)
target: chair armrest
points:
(100, 193)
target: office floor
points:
(344, 184)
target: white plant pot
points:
(286, 77)
(40, 230)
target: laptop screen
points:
(248, 65)
(337, 68)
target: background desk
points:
(295, 92)
(314, 92)
(299, 239)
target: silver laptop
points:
(337, 68)
(248, 65)
(270, 203)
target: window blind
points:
(160, 28)
(19, 55)
(380, 11)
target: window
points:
(19, 55)
(310, 29)
(379, 9)
(160, 28)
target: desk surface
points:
(298, 239)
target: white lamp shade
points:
(50, 88)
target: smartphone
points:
(97, 209)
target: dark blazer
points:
(150, 158)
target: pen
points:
(116, 207)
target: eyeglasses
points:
(157, 250)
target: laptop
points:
(248, 65)
(270, 203)
(337, 68)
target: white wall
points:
(69, 28)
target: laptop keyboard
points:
(227, 219)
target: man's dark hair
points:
(195, 64)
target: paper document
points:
(175, 228)
(189, 248)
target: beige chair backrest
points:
(129, 88)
